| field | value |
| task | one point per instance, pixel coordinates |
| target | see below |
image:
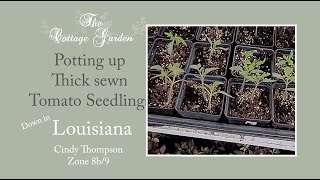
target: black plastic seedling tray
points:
(275, 41)
(283, 52)
(280, 125)
(227, 42)
(198, 115)
(254, 45)
(162, 111)
(153, 52)
(250, 48)
(258, 136)
(158, 34)
(165, 29)
(264, 133)
(238, 120)
(196, 45)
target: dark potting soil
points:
(279, 57)
(285, 37)
(284, 106)
(249, 104)
(149, 45)
(163, 58)
(185, 32)
(158, 93)
(224, 33)
(260, 54)
(153, 30)
(193, 146)
(249, 36)
(194, 100)
(219, 59)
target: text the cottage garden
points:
(101, 37)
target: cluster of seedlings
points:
(190, 74)
(167, 144)
(261, 101)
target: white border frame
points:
(237, 25)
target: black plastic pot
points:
(201, 44)
(279, 51)
(149, 49)
(253, 45)
(157, 34)
(275, 40)
(248, 121)
(163, 111)
(199, 115)
(280, 125)
(198, 37)
(249, 48)
(150, 41)
(165, 29)
(153, 52)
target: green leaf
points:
(175, 69)
(178, 72)
(163, 149)
(208, 70)
(170, 47)
(291, 89)
(251, 68)
(157, 67)
(264, 75)
(247, 53)
(244, 74)
(170, 67)
(176, 65)
(250, 78)
(259, 63)
(236, 68)
(184, 43)
(207, 86)
(287, 71)
(292, 78)
(196, 66)
(257, 71)
(169, 35)
(216, 83)
(278, 76)
(164, 73)
(291, 54)
(217, 43)
(156, 140)
(208, 39)
(282, 62)
(184, 145)
(290, 62)
(289, 58)
(246, 61)
(180, 40)
(268, 81)
(224, 93)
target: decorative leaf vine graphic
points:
(138, 27)
(44, 27)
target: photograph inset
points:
(229, 85)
